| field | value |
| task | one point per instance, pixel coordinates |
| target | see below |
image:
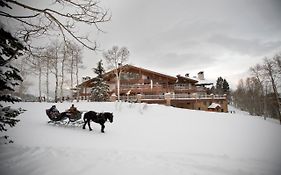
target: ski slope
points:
(142, 140)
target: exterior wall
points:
(111, 86)
(154, 89)
(154, 101)
(187, 103)
(199, 104)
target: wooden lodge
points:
(142, 85)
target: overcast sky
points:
(220, 37)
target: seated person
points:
(73, 110)
(54, 112)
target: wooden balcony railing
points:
(175, 96)
(161, 88)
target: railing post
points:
(167, 97)
(113, 97)
(213, 97)
(139, 98)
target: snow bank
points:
(143, 139)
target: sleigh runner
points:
(64, 117)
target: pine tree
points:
(222, 86)
(100, 90)
(225, 86)
(10, 48)
(219, 86)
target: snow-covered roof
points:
(214, 105)
(205, 81)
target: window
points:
(129, 76)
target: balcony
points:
(175, 97)
(160, 88)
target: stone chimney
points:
(201, 75)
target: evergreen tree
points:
(213, 90)
(222, 86)
(225, 86)
(10, 49)
(219, 86)
(100, 90)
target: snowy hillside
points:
(143, 139)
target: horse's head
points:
(109, 116)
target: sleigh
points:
(61, 118)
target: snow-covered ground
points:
(143, 139)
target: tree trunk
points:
(77, 80)
(40, 79)
(276, 97)
(62, 74)
(47, 80)
(71, 73)
(269, 69)
(57, 77)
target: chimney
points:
(85, 78)
(201, 75)
(187, 75)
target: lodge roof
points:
(184, 79)
(87, 83)
(130, 68)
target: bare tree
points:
(70, 62)
(73, 63)
(259, 94)
(115, 59)
(38, 66)
(64, 58)
(277, 60)
(55, 49)
(77, 64)
(36, 62)
(258, 73)
(22, 65)
(60, 19)
(48, 65)
(35, 22)
(271, 73)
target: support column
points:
(167, 97)
(139, 98)
(113, 97)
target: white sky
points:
(220, 37)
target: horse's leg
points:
(102, 127)
(84, 125)
(88, 121)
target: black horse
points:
(100, 118)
